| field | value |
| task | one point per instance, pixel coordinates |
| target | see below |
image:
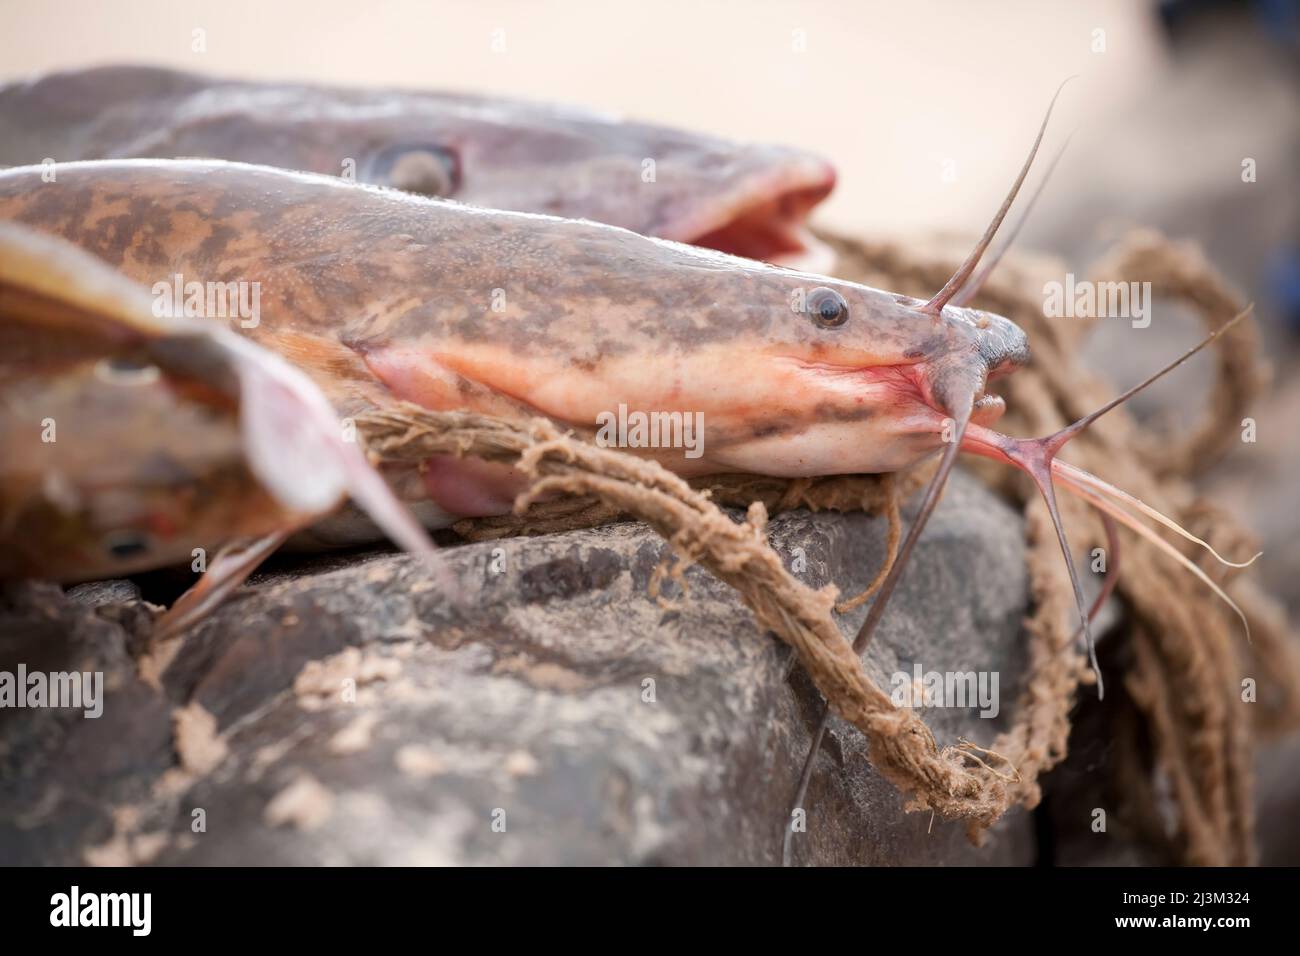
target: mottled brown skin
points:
(488, 151)
(380, 294)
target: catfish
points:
(749, 199)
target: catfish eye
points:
(827, 308)
(425, 170)
(127, 544)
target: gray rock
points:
(364, 719)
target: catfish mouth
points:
(906, 387)
(766, 219)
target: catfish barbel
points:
(749, 199)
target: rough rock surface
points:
(343, 711)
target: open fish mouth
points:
(766, 218)
(907, 389)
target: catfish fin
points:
(227, 571)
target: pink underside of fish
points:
(461, 487)
(470, 488)
(467, 488)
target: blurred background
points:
(894, 93)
